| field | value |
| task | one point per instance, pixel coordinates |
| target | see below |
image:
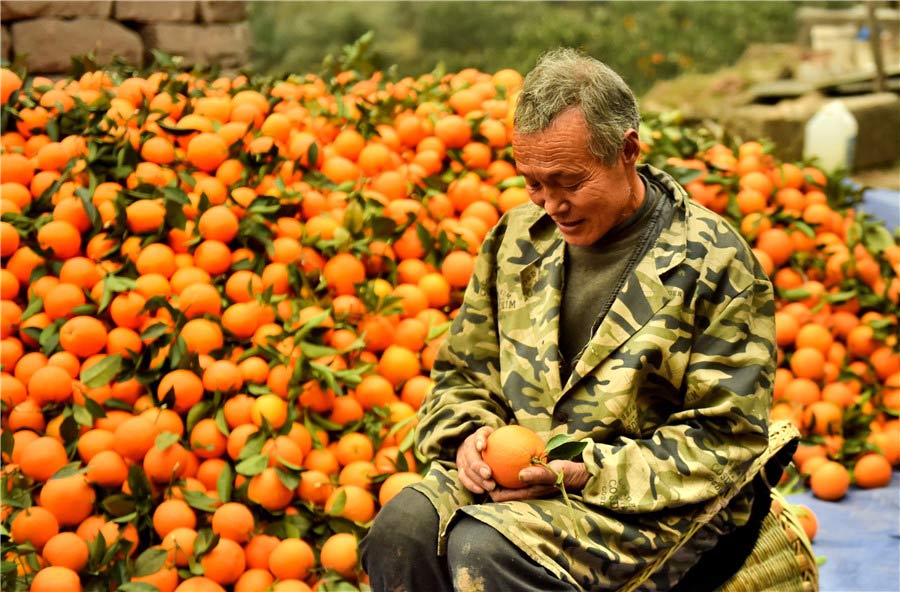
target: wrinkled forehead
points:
(568, 134)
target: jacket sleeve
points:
(467, 392)
(705, 447)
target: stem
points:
(560, 484)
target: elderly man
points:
(613, 310)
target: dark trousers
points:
(400, 554)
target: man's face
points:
(584, 197)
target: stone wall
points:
(44, 36)
(877, 116)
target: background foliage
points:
(644, 41)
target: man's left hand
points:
(542, 482)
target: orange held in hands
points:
(509, 450)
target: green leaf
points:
(175, 217)
(94, 408)
(154, 331)
(253, 465)
(197, 413)
(138, 586)
(103, 372)
(150, 561)
(113, 284)
(220, 421)
(254, 445)
(517, 181)
(7, 443)
(566, 451)
(177, 131)
(138, 483)
(35, 305)
(225, 483)
(166, 439)
(49, 338)
(72, 468)
(437, 330)
(339, 502)
(312, 154)
(289, 479)
(200, 501)
(557, 440)
(795, 293)
(804, 228)
(118, 504)
(877, 238)
(326, 374)
(97, 549)
(314, 350)
(206, 540)
(382, 227)
(840, 296)
(312, 324)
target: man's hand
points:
(542, 482)
(474, 473)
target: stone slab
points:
(224, 45)
(878, 137)
(782, 123)
(155, 11)
(13, 10)
(877, 116)
(48, 44)
(223, 11)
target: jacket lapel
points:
(644, 292)
(540, 271)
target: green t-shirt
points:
(595, 274)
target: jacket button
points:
(561, 416)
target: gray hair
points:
(564, 78)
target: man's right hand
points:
(474, 473)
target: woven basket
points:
(782, 559)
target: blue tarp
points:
(859, 537)
(883, 204)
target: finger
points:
(484, 471)
(537, 476)
(472, 462)
(481, 438)
(476, 484)
(469, 483)
(480, 473)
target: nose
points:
(554, 202)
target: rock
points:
(226, 46)
(877, 116)
(222, 11)
(782, 123)
(153, 11)
(49, 43)
(13, 10)
(878, 137)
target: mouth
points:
(567, 226)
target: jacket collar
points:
(540, 270)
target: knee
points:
(406, 526)
(473, 543)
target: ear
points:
(631, 147)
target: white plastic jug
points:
(830, 136)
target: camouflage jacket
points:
(672, 395)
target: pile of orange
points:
(221, 299)
(836, 274)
